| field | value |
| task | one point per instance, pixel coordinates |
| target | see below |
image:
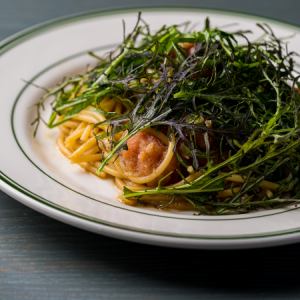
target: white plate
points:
(36, 174)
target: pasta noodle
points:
(77, 141)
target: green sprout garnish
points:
(240, 95)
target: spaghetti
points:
(78, 142)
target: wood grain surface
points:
(43, 259)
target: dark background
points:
(44, 259)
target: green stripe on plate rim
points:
(42, 200)
(18, 38)
(15, 39)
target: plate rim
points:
(80, 221)
(14, 189)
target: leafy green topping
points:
(232, 105)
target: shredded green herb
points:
(232, 105)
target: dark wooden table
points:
(43, 259)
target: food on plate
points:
(190, 120)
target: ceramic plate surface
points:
(35, 173)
